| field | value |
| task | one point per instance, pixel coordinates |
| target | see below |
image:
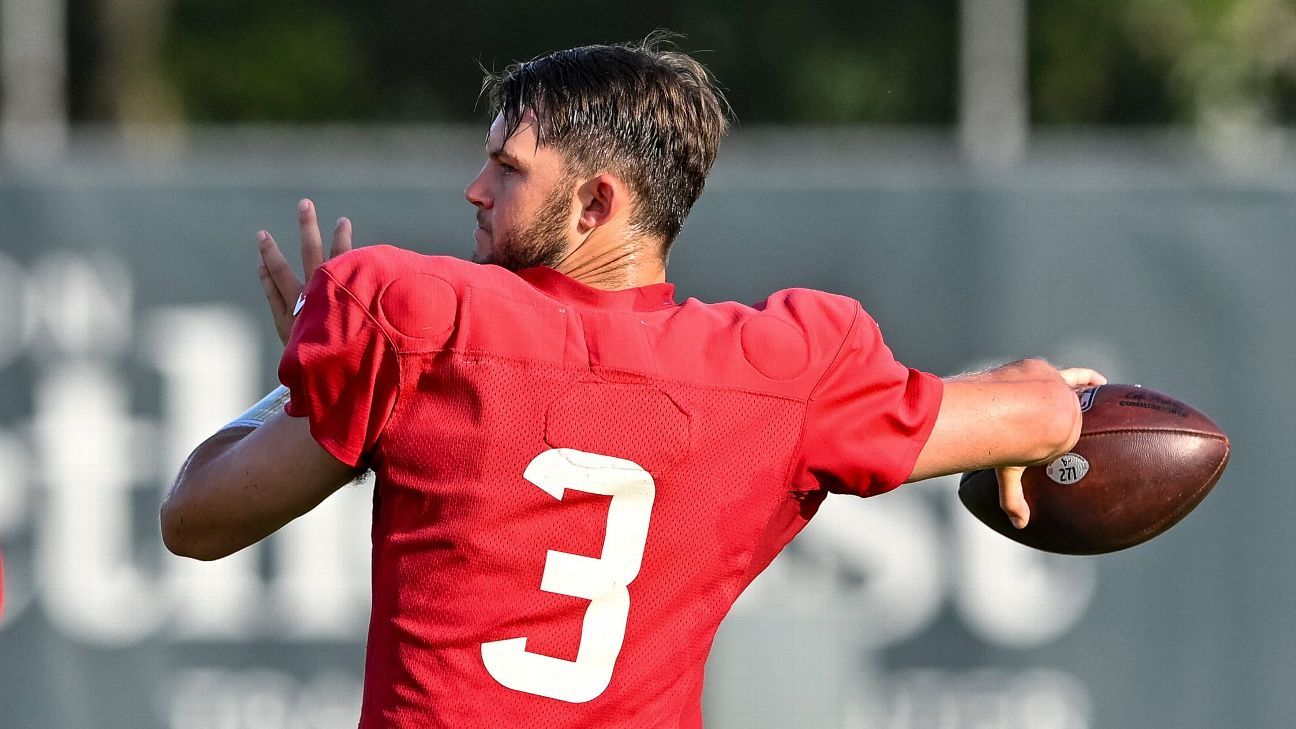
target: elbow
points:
(193, 549)
(185, 518)
(181, 539)
(174, 534)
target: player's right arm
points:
(1020, 414)
(872, 423)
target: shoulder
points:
(813, 310)
(807, 308)
(409, 294)
(367, 271)
(783, 343)
(824, 320)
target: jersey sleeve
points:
(868, 417)
(341, 369)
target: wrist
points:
(256, 416)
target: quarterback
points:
(577, 473)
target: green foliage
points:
(876, 63)
(1230, 60)
(812, 61)
(238, 60)
(1163, 61)
(1085, 71)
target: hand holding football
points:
(1143, 461)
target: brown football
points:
(1143, 461)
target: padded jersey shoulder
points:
(365, 272)
(782, 345)
(413, 297)
(821, 318)
(830, 315)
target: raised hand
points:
(278, 279)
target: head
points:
(594, 149)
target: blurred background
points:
(1108, 184)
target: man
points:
(576, 474)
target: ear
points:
(603, 198)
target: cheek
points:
(501, 219)
(512, 209)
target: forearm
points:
(244, 483)
(1040, 398)
(1023, 370)
(1042, 401)
(1021, 413)
(202, 512)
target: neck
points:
(613, 265)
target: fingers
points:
(312, 247)
(279, 283)
(341, 238)
(278, 279)
(1011, 498)
(312, 250)
(278, 307)
(1082, 377)
(281, 272)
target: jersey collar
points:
(563, 287)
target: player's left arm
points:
(278, 280)
(244, 483)
(264, 469)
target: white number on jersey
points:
(602, 581)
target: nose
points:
(476, 193)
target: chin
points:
(482, 246)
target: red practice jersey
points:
(574, 485)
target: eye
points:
(506, 167)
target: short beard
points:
(542, 243)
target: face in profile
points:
(524, 200)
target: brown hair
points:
(651, 116)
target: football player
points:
(577, 472)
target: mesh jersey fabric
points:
(574, 485)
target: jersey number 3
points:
(602, 581)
